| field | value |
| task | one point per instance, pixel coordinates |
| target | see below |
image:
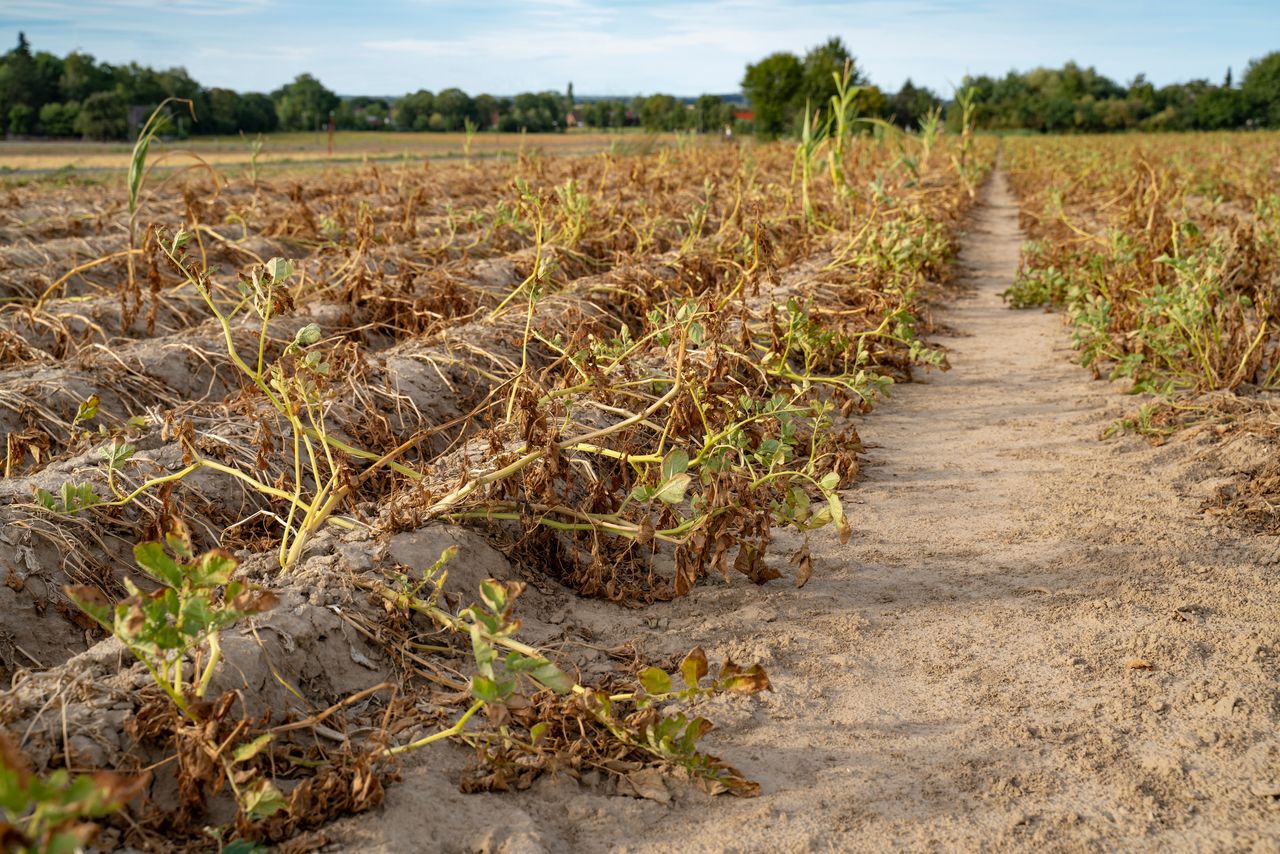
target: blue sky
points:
(621, 48)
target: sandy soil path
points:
(1033, 640)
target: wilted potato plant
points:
(1163, 251)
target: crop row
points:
(1165, 253)
(626, 373)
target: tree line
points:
(76, 96)
(1070, 99)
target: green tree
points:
(821, 64)
(618, 117)
(454, 107)
(413, 111)
(59, 119)
(772, 86)
(146, 87)
(661, 113)
(872, 102)
(22, 119)
(103, 115)
(1219, 108)
(1261, 89)
(304, 104)
(222, 111)
(82, 76)
(17, 82)
(712, 114)
(487, 110)
(910, 104)
(46, 77)
(535, 112)
(347, 117)
(605, 114)
(1140, 98)
(256, 113)
(1075, 99)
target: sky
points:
(614, 47)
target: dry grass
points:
(302, 147)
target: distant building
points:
(137, 117)
(744, 115)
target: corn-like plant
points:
(469, 127)
(842, 113)
(931, 128)
(255, 151)
(965, 167)
(812, 136)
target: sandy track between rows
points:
(1034, 640)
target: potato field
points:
(371, 506)
(259, 427)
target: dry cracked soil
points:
(1033, 640)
